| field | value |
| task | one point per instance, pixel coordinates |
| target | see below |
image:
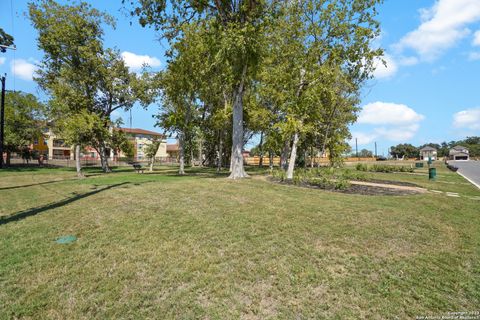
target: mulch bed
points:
(361, 189)
(376, 191)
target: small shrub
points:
(325, 178)
(342, 184)
(353, 175)
(361, 167)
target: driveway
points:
(469, 169)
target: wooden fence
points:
(255, 160)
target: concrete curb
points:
(471, 181)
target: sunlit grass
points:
(204, 247)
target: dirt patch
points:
(390, 182)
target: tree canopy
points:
(6, 40)
(291, 71)
(84, 79)
(24, 121)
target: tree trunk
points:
(284, 154)
(260, 163)
(270, 158)
(9, 156)
(200, 152)
(181, 152)
(152, 160)
(312, 158)
(220, 151)
(237, 169)
(78, 164)
(293, 156)
(104, 159)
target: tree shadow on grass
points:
(190, 174)
(34, 184)
(34, 211)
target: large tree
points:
(237, 27)
(78, 72)
(319, 55)
(24, 121)
(404, 150)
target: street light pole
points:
(356, 147)
(2, 122)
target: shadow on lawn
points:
(34, 184)
(34, 211)
(191, 174)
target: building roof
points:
(141, 131)
(428, 148)
(172, 147)
(459, 148)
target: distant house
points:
(459, 153)
(173, 150)
(427, 153)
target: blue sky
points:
(429, 92)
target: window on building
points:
(58, 143)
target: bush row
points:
(325, 178)
(382, 168)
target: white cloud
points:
(390, 121)
(136, 62)
(400, 133)
(2, 60)
(408, 61)
(362, 138)
(467, 119)
(443, 25)
(385, 113)
(476, 38)
(474, 56)
(385, 71)
(22, 69)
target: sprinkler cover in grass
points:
(66, 239)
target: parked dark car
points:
(453, 168)
(381, 158)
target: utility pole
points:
(3, 48)
(2, 122)
(375, 149)
(130, 118)
(356, 147)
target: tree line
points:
(410, 151)
(289, 72)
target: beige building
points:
(142, 138)
(56, 148)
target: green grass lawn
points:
(446, 181)
(204, 247)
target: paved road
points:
(470, 169)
